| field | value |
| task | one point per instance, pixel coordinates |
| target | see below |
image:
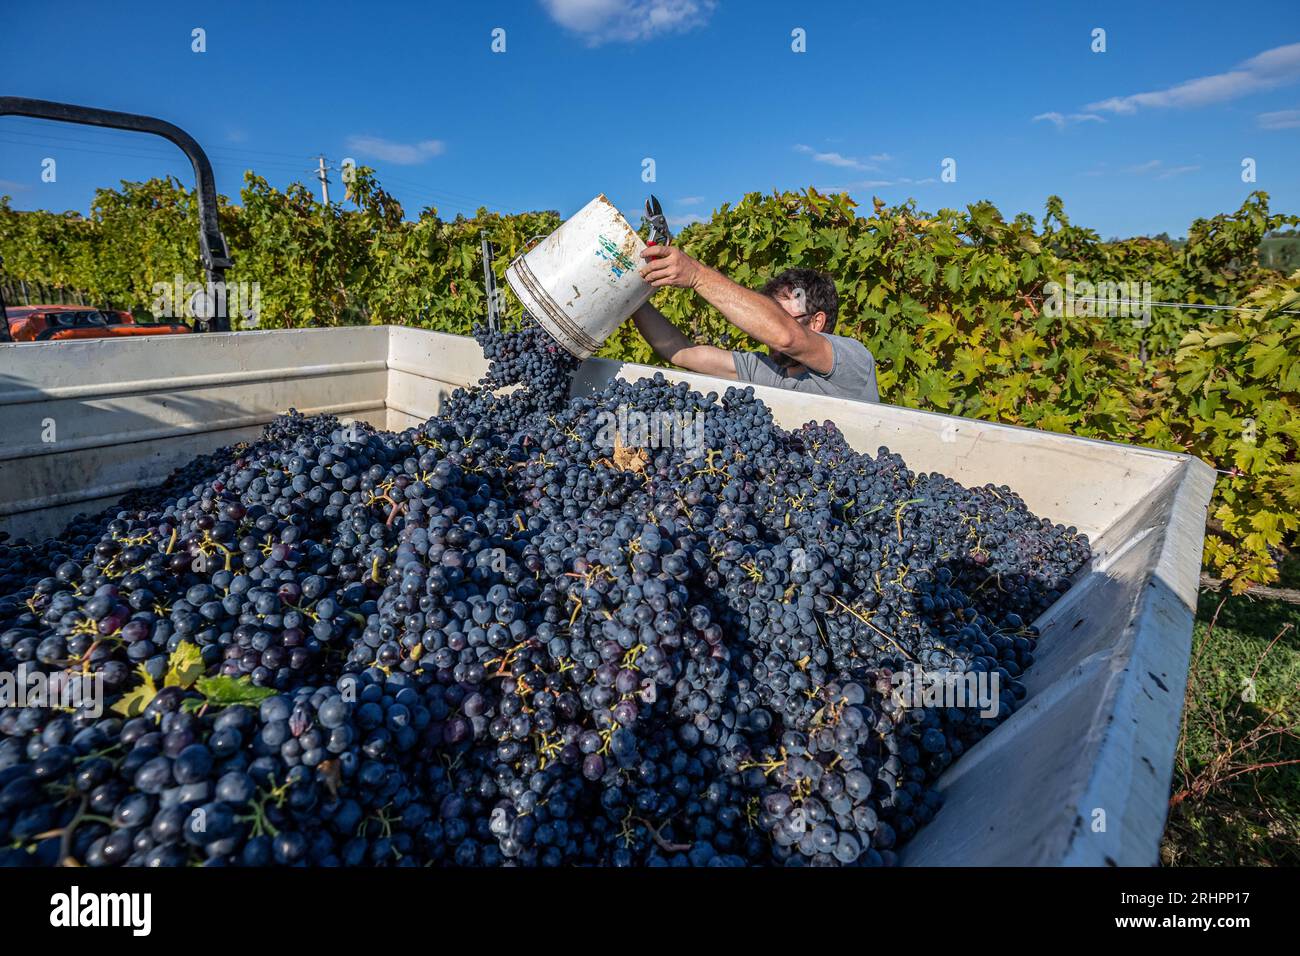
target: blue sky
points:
(1138, 139)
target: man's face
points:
(796, 307)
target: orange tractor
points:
(56, 323)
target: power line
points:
(137, 151)
(141, 151)
(444, 193)
(108, 142)
(426, 195)
(118, 136)
(421, 192)
(1168, 305)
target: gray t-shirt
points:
(853, 374)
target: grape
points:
(492, 639)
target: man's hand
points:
(669, 266)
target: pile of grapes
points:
(500, 639)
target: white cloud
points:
(690, 200)
(627, 21)
(681, 222)
(1062, 120)
(1272, 68)
(1156, 166)
(403, 154)
(1282, 119)
(880, 157)
(832, 159)
(850, 187)
(875, 184)
(836, 159)
(10, 185)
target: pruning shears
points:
(654, 213)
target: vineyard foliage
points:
(956, 306)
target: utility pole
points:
(324, 180)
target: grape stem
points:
(666, 845)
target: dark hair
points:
(819, 293)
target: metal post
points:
(490, 284)
(324, 181)
(4, 317)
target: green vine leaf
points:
(134, 701)
(184, 666)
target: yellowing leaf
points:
(1222, 338)
(629, 459)
(134, 701)
(185, 666)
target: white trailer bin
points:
(1079, 775)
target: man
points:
(793, 315)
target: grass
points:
(1236, 790)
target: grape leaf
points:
(135, 700)
(225, 691)
(952, 276)
(629, 459)
(185, 666)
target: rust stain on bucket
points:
(629, 246)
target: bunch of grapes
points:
(527, 355)
(504, 638)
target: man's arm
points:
(671, 345)
(750, 311)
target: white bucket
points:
(583, 280)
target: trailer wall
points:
(1080, 775)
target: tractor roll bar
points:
(212, 244)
